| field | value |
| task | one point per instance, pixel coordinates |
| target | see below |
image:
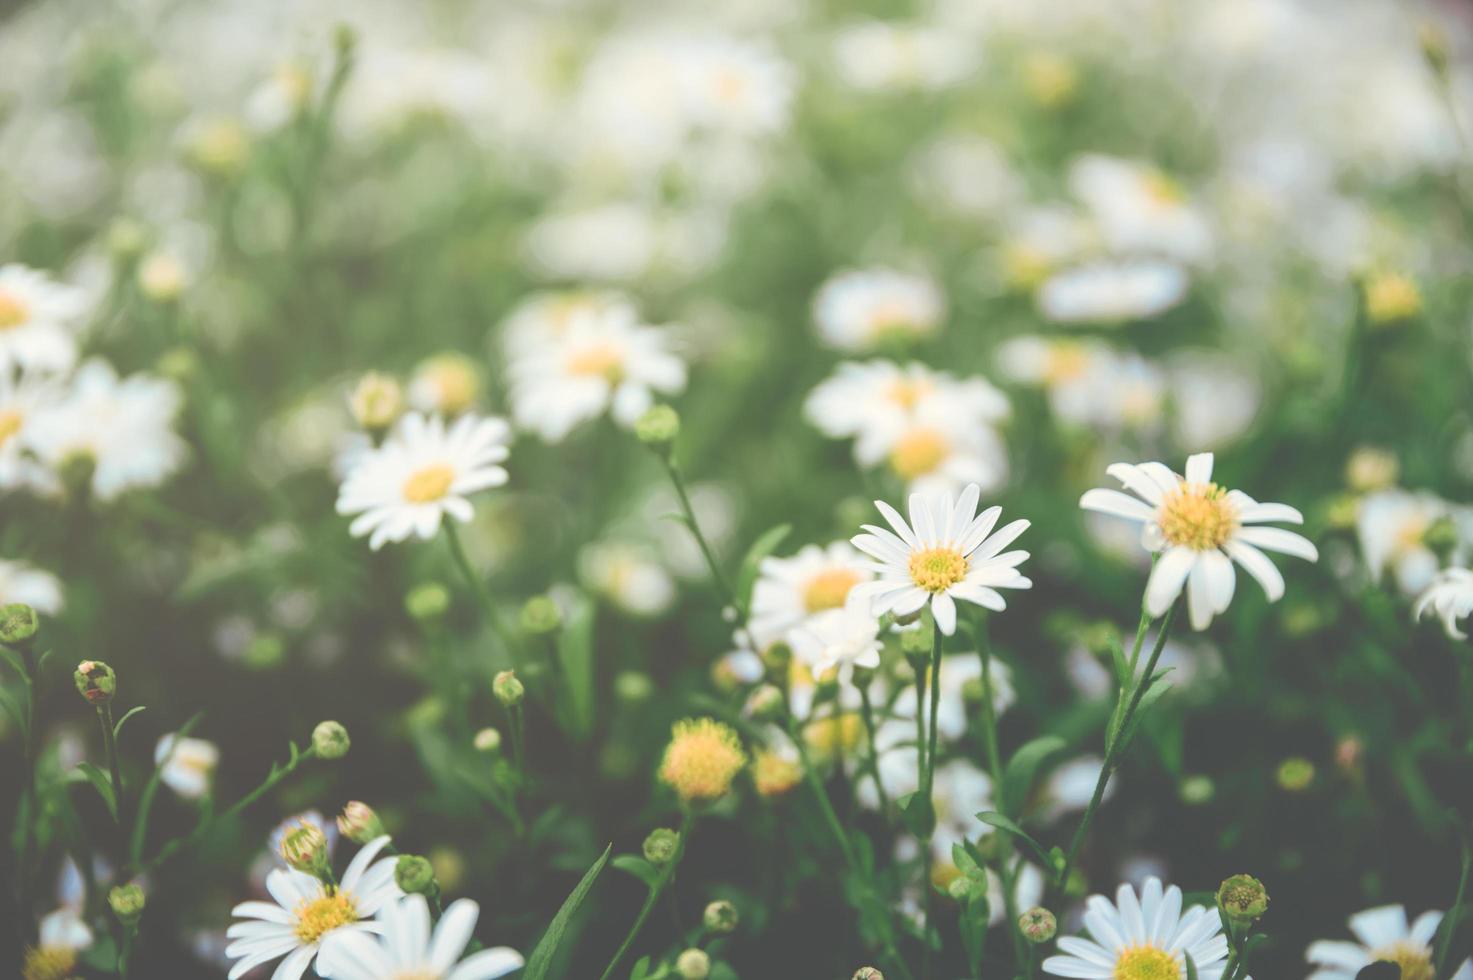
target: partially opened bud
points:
(330, 739)
(660, 846)
(658, 428)
(359, 823)
(487, 740)
(1038, 925)
(305, 849)
(377, 402)
(720, 916)
(18, 624)
(1242, 898)
(508, 689)
(868, 973)
(541, 616)
(95, 681)
(127, 902)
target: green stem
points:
(867, 712)
(1116, 744)
(678, 481)
(928, 779)
(1021, 952)
(110, 746)
(667, 874)
(27, 815)
(1450, 927)
(482, 594)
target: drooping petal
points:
(1167, 578)
(1257, 564)
(1278, 539)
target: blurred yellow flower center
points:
(454, 383)
(430, 483)
(13, 312)
(1051, 80)
(826, 590)
(1065, 361)
(416, 975)
(917, 453)
(1392, 297)
(731, 86)
(1415, 961)
(773, 774)
(907, 392)
(937, 569)
(1162, 191)
(1024, 265)
(943, 873)
(600, 361)
(1198, 516)
(1146, 963)
(10, 422)
(318, 917)
(835, 735)
(702, 759)
(890, 316)
(49, 963)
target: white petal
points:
(361, 860)
(1167, 578)
(1118, 504)
(488, 964)
(1278, 539)
(1380, 926)
(1133, 479)
(1258, 513)
(1199, 468)
(1257, 564)
(452, 933)
(1068, 966)
(944, 609)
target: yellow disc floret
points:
(10, 423)
(937, 569)
(826, 590)
(1198, 516)
(598, 361)
(13, 312)
(702, 759)
(1146, 963)
(1415, 961)
(774, 774)
(49, 963)
(319, 916)
(918, 452)
(428, 484)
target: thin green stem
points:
(928, 778)
(678, 481)
(27, 815)
(482, 594)
(110, 747)
(867, 712)
(1454, 914)
(1021, 952)
(667, 874)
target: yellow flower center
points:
(826, 590)
(890, 316)
(1024, 265)
(1065, 361)
(1163, 192)
(10, 422)
(1051, 80)
(731, 86)
(918, 452)
(1198, 516)
(937, 569)
(430, 483)
(416, 975)
(49, 963)
(1415, 961)
(1390, 297)
(13, 312)
(1146, 963)
(318, 917)
(774, 774)
(599, 361)
(908, 392)
(835, 735)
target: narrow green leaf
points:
(145, 799)
(1118, 661)
(1017, 779)
(1159, 686)
(14, 659)
(539, 964)
(1001, 822)
(118, 728)
(575, 654)
(12, 707)
(639, 867)
(765, 545)
(102, 784)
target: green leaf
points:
(639, 867)
(1001, 822)
(575, 654)
(1017, 779)
(118, 728)
(102, 784)
(539, 964)
(12, 707)
(15, 661)
(1118, 661)
(918, 815)
(145, 799)
(1159, 686)
(765, 545)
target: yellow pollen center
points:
(430, 483)
(828, 589)
(1065, 362)
(600, 361)
(49, 963)
(1198, 516)
(1163, 191)
(1146, 963)
(731, 86)
(907, 392)
(937, 569)
(318, 917)
(890, 316)
(918, 452)
(416, 975)
(1415, 961)
(10, 423)
(13, 312)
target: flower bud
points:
(305, 849)
(126, 239)
(765, 703)
(427, 602)
(127, 902)
(1295, 774)
(693, 964)
(330, 739)
(377, 402)
(633, 686)
(721, 916)
(776, 658)
(541, 616)
(1390, 298)
(868, 973)
(660, 846)
(658, 428)
(1242, 898)
(18, 624)
(95, 681)
(1038, 925)
(1197, 790)
(915, 644)
(508, 690)
(487, 740)
(359, 823)
(415, 875)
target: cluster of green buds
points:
(96, 682)
(359, 823)
(330, 739)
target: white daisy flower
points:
(1392, 526)
(406, 947)
(423, 472)
(1450, 596)
(1384, 937)
(884, 56)
(19, 582)
(187, 764)
(859, 308)
(947, 552)
(544, 317)
(790, 591)
(38, 320)
(307, 911)
(604, 361)
(1112, 291)
(123, 426)
(842, 638)
(1145, 938)
(1071, 785)
(629, 576)
(1140, 209)
(20, 400)
(938, 447)
(1199, 530)
(735, 86)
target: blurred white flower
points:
(1383, 935)
(790, 591)
(1112, 291)
(841, 638)
(883, 56)
(187, 764)
(866, 396)
(39, 318)
(20, 399)
(1215, 399)
(1392, 526)
(1139, 209)
(858, 309)
(1071, 785)
(965, 174)
(20, 582)
(628, 576)
(1450, 596)
(422, 473)
(960, 689)
(1088, 384)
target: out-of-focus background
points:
(1156, 227)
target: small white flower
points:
(306, 911)
(187, 764)
(1450, 596)
(885, 56)
(790, 591)
(629, 576)
(20, 582)
(857, 309)
(841, 638)
(406, 947)
(945, 553)
(1384, 936)
(422, 473)
(1392, 526)
(38, 320)
(1200, 529)
(20, 400)
(64, 929)
(1145, 938)
(1112, 291)
(1139, 209)
(605, 360)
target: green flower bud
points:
(415, 875)
(487, 740)
(95, 681)
(868, 973)
(693, 964)
(1295, 774)
(631, 685)
(776, 659)
(359, 823)
(1197, 790)
(1242, 898)
(330, 739)
(658, 427)
(541, 616)
(660, 846)
(305, 849)
(126, 239)
(127, 902)
(1038, 925)
(916, 644)
(427, 602)
(721, 916)
(377, 402)
(765, 703)
(18, 624)
(508, 690)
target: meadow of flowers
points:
(667, 490)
